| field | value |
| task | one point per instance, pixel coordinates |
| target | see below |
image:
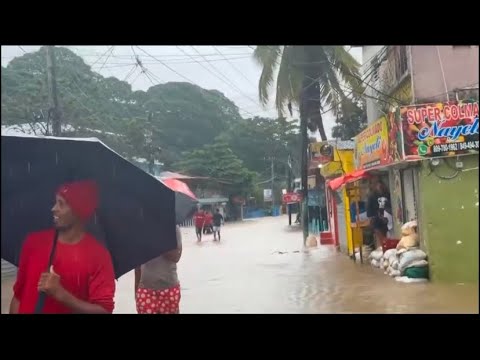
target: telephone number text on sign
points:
(469, 145)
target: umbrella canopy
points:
(185, 200)
(136, 215)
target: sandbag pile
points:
(413, 263)
(410, 263)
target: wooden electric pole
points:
(52, 93)
(304, 175)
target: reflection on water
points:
(317, 281)
(261, 268)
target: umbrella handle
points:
(42, 296)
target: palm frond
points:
(267, 57)
(288, 79)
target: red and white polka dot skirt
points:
(166, 301)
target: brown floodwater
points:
(261, 267)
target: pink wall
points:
(460, 66)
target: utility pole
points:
(289, 187)
(52, 93)
(273, 179)
(304, 175)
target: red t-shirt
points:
(85, 270)
(199, 219)
(208, 219)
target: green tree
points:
(218, 162)
(258, 140)
(189, 117)
(183, 117)
(351, 123)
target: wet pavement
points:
(261, 267)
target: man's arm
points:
(79, 306)
(14, 305)
(138, 275)
(21, 277)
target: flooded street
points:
(245, 273)
(260, 267)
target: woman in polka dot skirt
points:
(157, 289)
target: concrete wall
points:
(460, 68)
(448, 212)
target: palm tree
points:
(311, 77)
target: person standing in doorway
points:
(217, 224)
(81, 277)
(199, 219)
(378, 207)
(157, 289)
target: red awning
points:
(337, 183)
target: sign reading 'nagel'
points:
(440, 129)
(371, 145)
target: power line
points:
(22, 49)
(105, 53)
(168, 55)
(227, 81)
(234, 67)
(130, 73)
(168, 67)
(106, 59)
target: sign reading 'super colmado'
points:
(440, 129)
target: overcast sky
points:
(229, 69)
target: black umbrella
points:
(136, 216)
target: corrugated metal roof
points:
(212, 200)
(342, 144)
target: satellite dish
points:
(326, 150)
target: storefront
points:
(317, 198)
(376, 158)
(426, 156)
(444, 140)
(337, 201)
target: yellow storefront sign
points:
(371, 145)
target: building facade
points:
(440, 192)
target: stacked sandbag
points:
(376, 258)
(413, 263)
(391, 263)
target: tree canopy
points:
(181, 125)
(313, 77)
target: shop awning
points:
(356, 175)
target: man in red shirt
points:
(81, 278)
(207, 229)
(199, 217)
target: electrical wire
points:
(224, 80)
